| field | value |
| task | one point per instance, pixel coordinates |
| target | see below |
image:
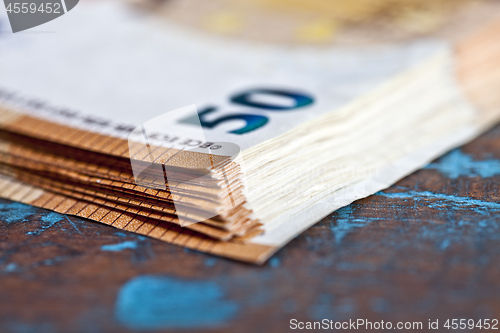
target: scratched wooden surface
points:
(427, 248)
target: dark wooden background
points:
(427, 248)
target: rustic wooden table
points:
(427, 248)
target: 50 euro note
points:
(88, 114)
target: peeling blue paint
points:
(274, 262)
(51, 261)
(10, 267)
(153, 302)
(52, 217)
(445, 201)
(345, 224)
(457, 163)
(73, 224)
(453, 214)
(120, 246)
(210, 262)
(47, 221)
(15, 212)
(460, 219)
(444, 244)
(130, 235)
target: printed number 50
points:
(252, 121)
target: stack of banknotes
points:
(206, 125)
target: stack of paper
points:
(231, 146)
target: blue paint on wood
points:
(456, 219)
(73, 224)
(51, 261)
(457, 163)
(275, 262)
(47, 221)
(52, 218)
(10, 267)
(445, 244)
(459, 220)
(210, 262)
(15, 212)
(345, 223)
(445, 201)
(153, 302)
(120, 246)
